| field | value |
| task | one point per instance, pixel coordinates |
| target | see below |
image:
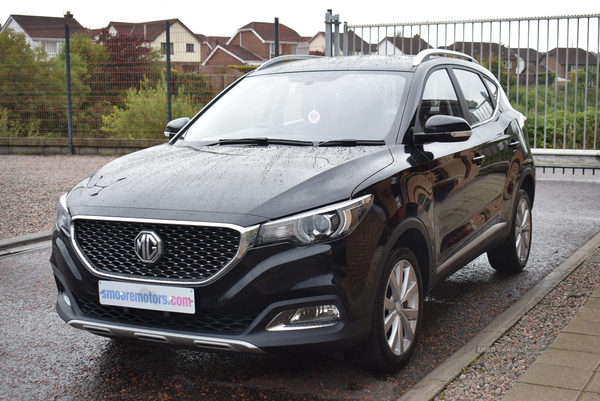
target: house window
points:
(163, 48)
(51, 48)
(273, 50)
(189, 47)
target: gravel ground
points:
(30, 187)
(494, 373)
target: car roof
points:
(302, 63)
(349, 63)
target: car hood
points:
(241, 185)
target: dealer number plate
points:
(150, 297)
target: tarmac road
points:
(43, 358)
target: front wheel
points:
(512, 255)
(397, 315)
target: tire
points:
(397, 315)
(511, 257)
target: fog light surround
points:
(305, 318)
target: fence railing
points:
(116, 81)
(547, 66)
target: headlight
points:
(318, 225)
(63, 218)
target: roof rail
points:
(285, 59)
(428, 54)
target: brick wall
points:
(221, 57)
(251, 42)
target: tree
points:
(89, 79)
(131, 60)
(23, 85)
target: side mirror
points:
(442, 128)
(173, 127)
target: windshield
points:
(311, 106)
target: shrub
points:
(144, 114)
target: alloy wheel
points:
(523, 230)
(401, 307)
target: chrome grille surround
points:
(119, 260)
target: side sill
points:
(483, 238)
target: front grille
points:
(191, 253)
(202, 323)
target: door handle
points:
(478, 159)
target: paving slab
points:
(590, 397)
(557, 376)
(572, 359)
(577, 342)
(594, 386)
(528, 392)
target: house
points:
(45, 32)
(316, 45)
(185, 47)
(528, 61)
(254, 43)
(232, 55)
(209, 43)
(485, 52)
(401, 45)
(564, 60)
(259, 38)
(356, 45)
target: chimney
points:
(68, 15)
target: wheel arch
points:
(412, 234)
(528, 184)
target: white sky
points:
(223, 18)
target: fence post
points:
(69, 93)
(168, 73)
(345, 45)
(336, 35)
(328, 19)
(276, 25)
(332, 39)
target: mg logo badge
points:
(148, 246)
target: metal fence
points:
(124, 82)
(547, 66)
(121, 78)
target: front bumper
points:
(254, 289)
(319, 340)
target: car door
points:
(495, 131)
(457, 187)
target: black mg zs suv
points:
(309, 207)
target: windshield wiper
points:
(353, 142)
(263, 142)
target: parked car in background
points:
(310, 208)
